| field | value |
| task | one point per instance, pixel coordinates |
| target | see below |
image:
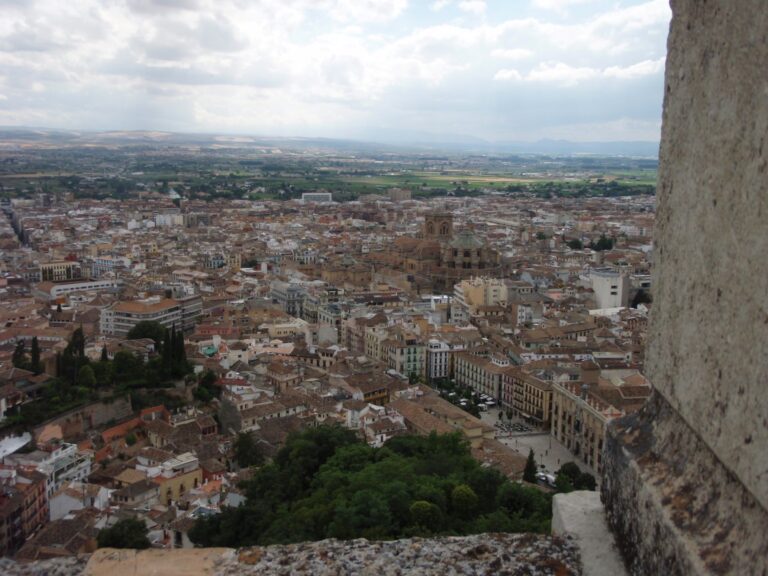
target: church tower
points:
(438, 226)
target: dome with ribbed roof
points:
(466, 240)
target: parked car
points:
(546, 478)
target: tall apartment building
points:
(23, 506)
(118, 319)
(526, 396)
(406, 355)
(441, 351)
(479, 373)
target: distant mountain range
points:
(11, 137)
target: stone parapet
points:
(674, 508)
(685, 480)
(580, 516)
(480, 555)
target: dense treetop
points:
(325, 483)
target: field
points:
(206, 173)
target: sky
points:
(410, 70)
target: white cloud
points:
(638, 70)
(473, 6)
(359, 11)
(560, 6)
(508, 74)
(567, 76)
(512, 53)
(438, 5)
(326, 66)
(561, 73)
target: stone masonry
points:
(686, 479)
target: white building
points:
(438, 359)
(53, 291)
(76, 496)
(611, 288)
(62, 464)
(119, 318)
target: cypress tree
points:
(166, 353)
(174, 349)
(104, 355)
(181, 353)
(19, 359)
(529, 474)
(35, 365)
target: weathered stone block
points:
(709, 323)
(673, 507)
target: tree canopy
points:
(603, 243)
(148, 329)
(570, 477)
(127, 533)
(325, 483)
(247, 452)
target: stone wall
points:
(686, 479)
(709, 324)
(485, 554)
(75, 423)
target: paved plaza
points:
(546, 449)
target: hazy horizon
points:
(371, 71)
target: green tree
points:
(104, 354)
(603, 243)
(247, 452)
(35, 365)
(127, 533)
(148, 329)
(78, 343)
(426, 516)
(570, 470)
(586, 481)
(529, 473)
(127, 367)
(575, 244)
(206, 387)
(166, 352)
(103, 372)
(19, 358)
(464, 501)
(86, 377)
(327, 483)
(73, 357)
(563, 483)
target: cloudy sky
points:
(500, 70)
